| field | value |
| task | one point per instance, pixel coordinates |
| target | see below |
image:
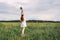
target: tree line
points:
(28, 21)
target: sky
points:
(33, 9)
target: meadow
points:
(33, 31)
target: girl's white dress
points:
(23, 23)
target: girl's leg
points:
(23, 29)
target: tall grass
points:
(33, 31)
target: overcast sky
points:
(33, 9)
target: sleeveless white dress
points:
(23, 23)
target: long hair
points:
(22, 17)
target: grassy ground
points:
(34, 31)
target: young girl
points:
(23, 21)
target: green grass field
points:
(33, 31)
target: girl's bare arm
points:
(22, 16)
